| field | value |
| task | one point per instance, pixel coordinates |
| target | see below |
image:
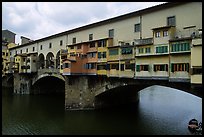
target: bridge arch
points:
(47, 75)
(50, 60)
(48, 83)
(127, 93)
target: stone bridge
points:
(89, 92)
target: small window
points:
(27, 50)
(21, 51)
(74, 40)
(157, 34)
(61, 42)
(33, 48)
(165, 33)
(50, 45)
(111, 33)
(90, 36)
(171, 21)
(137, 27)
(10, 53)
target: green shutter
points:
(172, 67)
(187, 67)
(138, 68)
(184, 47)
(188, 46)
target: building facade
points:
(160, 42)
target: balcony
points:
(147, 41)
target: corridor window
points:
(137, 27)
(73, 40)
(111, 33)
(90, 36)
(61, 42)
(50, 45)
(171, 21)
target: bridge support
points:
(79, 94)
(87, 92)
(22, 83)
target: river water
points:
(160, 111)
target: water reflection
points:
(161, 111)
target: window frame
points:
(137, 27)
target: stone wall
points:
(22, 83)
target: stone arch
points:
(58, 60)
(41, 61)
(50, 60)
(45, 84)
(47, 75)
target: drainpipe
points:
(169, 63)
(140, 27)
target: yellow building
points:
(196, 58)
(102, 55)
